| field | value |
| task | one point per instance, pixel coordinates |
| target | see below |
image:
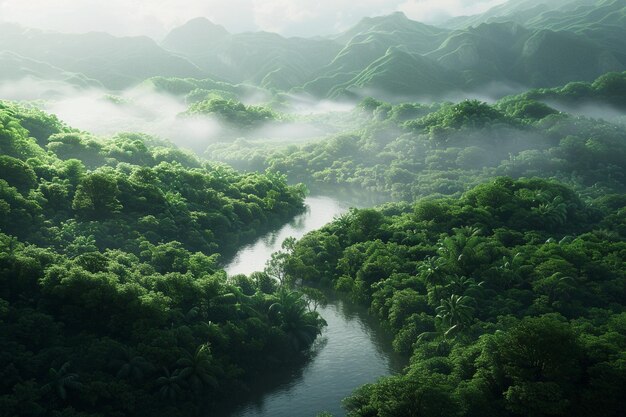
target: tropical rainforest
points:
(486, 156)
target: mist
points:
(470, 156)
(103, 113)
(290, 18)
(488, 92)
(595, 110)
(144, 110)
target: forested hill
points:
(112, 301)
(510, 300)
(411, 150)
(492, 149)
(511, 47)
(394, 56)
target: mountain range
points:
(519, 44)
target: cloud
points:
(135, 110)
(288, 17)
(322, 17)
(141, 109)
(125, 17)
(434, 11)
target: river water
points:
(353, 350)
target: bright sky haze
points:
(287, 17)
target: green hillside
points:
(520, 11)
(264, 59)
(14, 67)
(400, 74)
(411, 150)
(115, 62)
(194, 37)
(518, 44)
(417, 36)
(601, 21)
(110, 283)
(535, 58)
(509, 299)
(579, 44)
(481, 274)
(604, 97)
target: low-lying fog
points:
(142, 109)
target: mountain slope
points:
(14, 67)
(601, 21)
(518, 11)
(115, 62)
(262, 58)
(193, 37)
(401, 74)
(512, 53)
(525, 43)
(564, 41)
(419, 37)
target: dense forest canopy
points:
(509, 299)
(411, 150)
(111, 285)
(490, 150)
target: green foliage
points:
(502, 297)
(96, 196)
(233, 113)
(17, 173)
(110, 280)
(408, 151)
(469, 114)
(607, 90)
(509, 296)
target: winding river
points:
(352, 350)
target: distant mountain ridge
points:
(194, 36)
(113, 61)
(527, 43)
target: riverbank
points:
(353, 349)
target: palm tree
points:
(224, 307)
(169, 385)
(459, 250)
(198, 369)
(61, 380)
(430, 270)
(464, 285)
(553, 213)
(556, 286)
(509, 270)
(132, 366)
(290, 311)
(455, 313)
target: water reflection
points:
(353, 350)
(319, 211)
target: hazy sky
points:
(288, 17)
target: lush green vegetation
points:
(411, 150)
(233, 113)
(520, 43)
(112, 301)
(196, 90)
(509, 295)
(499, 268)
(607, 90)
(509, 299)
